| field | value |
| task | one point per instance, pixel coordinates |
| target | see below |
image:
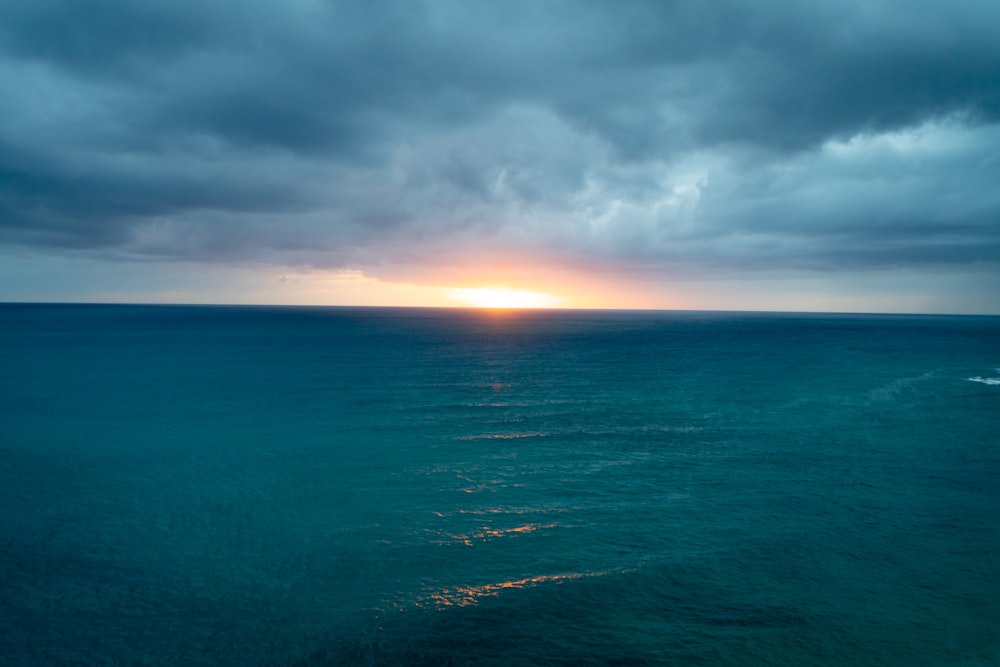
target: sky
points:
(766, 155)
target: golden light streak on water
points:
(465, 596)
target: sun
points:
(502, 297)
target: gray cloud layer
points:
(391, 136)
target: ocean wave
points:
(487, 533)
(504, 436)
(983, 380)
(464, 596)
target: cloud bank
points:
(408, 139)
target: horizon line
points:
(496, 310)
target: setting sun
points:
(503, 297)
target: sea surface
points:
(336, 486)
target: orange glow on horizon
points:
(503, 297)
(491, 290)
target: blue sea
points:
(303, 487)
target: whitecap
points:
(984, 380)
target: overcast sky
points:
(817, 155)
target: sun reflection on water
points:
(464, 596)
(486, 533)
(503, 436)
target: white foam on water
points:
(984, 380)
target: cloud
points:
(404, 138)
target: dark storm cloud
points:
(712, 136)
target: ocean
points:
(261, 486)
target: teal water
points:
(280, 486)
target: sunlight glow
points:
(503, 297)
